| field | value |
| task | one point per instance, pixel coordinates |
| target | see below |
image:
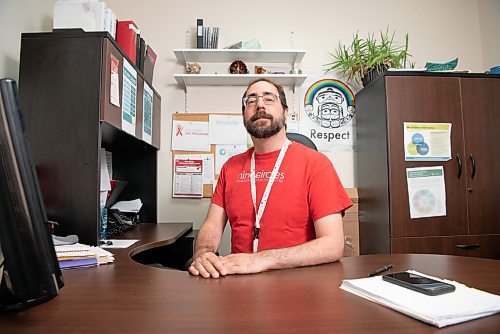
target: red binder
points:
(126, 37)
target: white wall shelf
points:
(230, 55)
(185, 80)
(257, 56)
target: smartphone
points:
(419, 283)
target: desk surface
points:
(127, 297)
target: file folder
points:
(126, 37)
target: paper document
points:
(118, 243)
(426, 191)
(463, 304)
(427, 141)
(128, 206)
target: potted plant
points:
(366, 58)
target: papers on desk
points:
(463, 304)
(132, 206)
(118, 243)
(80, 255)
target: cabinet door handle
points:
(473, 163)
(459, 166)
(468, 246)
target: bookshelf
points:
(65, 94)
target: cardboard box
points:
(351, 225)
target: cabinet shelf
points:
(230, 55)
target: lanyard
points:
(265, 196)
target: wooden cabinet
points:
(470, 102)
(65, 99)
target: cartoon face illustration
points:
(329, 106)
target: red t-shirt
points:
(306, 189)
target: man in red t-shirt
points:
(284, 201)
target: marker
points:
(380, 270)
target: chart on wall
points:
(327, 114)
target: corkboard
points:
(197, 117)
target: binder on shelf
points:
(149, 64)
(199, 33)
(126, 37)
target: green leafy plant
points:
(366, 55)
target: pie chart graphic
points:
(424, 201)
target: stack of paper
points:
(80, 255)
(461, 305)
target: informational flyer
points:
(224, 152)
(426, 191)
(114, 83)
(188, 178)
(190, 136)
(147, 120)
(226, 129)
(427, 141)
(129, 100)
(208, 165)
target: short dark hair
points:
(281, 92)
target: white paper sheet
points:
(226, 129)
(461, 305)
(426, 191)
(190, 136)
(427, 141)
(224, 152)
(147, 118)
(129, 98)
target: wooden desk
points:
(127, 297)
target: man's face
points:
(263, 120)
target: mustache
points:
(261, 114)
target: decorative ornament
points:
(238, 67)
(193, 68)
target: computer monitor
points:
(29, 270)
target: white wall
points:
(439, 31)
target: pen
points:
(380, 270)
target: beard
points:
(263, 131)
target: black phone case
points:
(433, 289)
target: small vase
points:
(373, 74)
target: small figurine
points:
(238, 67)
(193, 68)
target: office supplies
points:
(419, 283)
(199, 33)
(126, 36)
(81, 262)
(380, 270)
(448, 309)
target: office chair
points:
(300, 138)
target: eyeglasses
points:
(267, 98)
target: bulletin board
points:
(197, 117)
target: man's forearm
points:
(317, 251)
(207, 240)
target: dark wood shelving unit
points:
(64, 88)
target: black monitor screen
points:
(28, 264)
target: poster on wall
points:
(327, 114)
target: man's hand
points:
(207, 265)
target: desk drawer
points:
(486, 246)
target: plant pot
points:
(373, 74)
